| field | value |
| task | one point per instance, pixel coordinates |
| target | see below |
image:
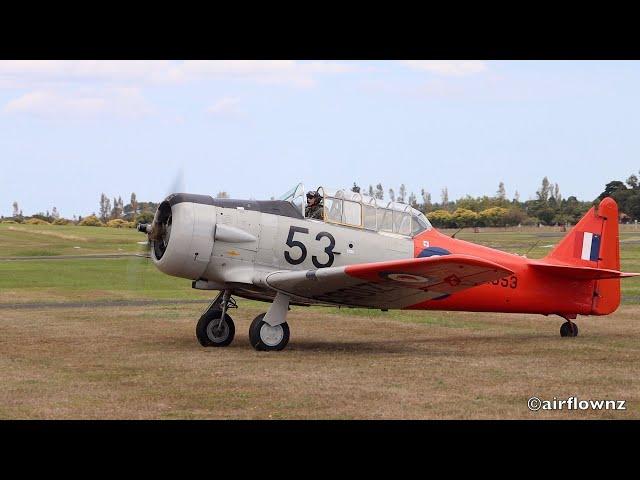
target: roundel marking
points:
(433, 251)
(407, 278)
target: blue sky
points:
(71, 130)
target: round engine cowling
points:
(182, 238)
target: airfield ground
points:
(110, 337)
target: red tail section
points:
(594, 242)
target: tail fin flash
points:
(594, 242)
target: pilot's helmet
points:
(313, 195)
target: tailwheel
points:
(214, 330)
(264, 337)
(569, 329)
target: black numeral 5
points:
(295, 243)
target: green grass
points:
(32, 240)
(137, 278)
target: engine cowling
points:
(182, 236)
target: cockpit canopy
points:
(353, 209)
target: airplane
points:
(344, 248)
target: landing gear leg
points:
(269, 331)
(215, 328)
(568, 328)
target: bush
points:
(144, 217)
(514, 217)
(8, 221)
(494, 217)
(463, 217)
(91, 221)
(61, 221)
(440, 218)
(119, 223)
(36, 221)
(531, 221)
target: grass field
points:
(121, 360)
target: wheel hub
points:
(271, 336)
(217, 334)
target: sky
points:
(70, 130)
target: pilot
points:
(314, 207)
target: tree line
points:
(548, 207)
(111, 214)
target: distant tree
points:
(413, 201)
(134, 203)
(426, 199)
(632, 207)
(392, 195)
(444, 195)
(402, 193)
(118, 208)
(501, 193)
(379, 193)
(632, 181)
(105, 207)
(16, 209)
(222, 195)
(545, 190)
(371, 192)
(515, 216)
(144, 217)
(355, 188)
(516, 197)
(556, 193)
(54, 213)
(612, 187)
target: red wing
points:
(394, 284)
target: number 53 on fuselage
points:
(343, 248)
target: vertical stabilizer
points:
(594, 242)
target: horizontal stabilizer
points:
(581, 273)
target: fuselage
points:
(221, 243)
(526, 291)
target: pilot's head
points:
(313, 198)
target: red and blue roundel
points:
(433, 251)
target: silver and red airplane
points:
(338, 247)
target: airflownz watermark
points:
(536, 404)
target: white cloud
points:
(18, 73)
(97, 87)
(456, 68)
(283, 72)
(227, 106)
(116, 101)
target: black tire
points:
(569, 329)
(206, 329)
(259, 343)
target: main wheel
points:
(265, 337)
(569, 329)
(212, 333)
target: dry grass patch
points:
(146, 363)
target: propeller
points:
(139, 262)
